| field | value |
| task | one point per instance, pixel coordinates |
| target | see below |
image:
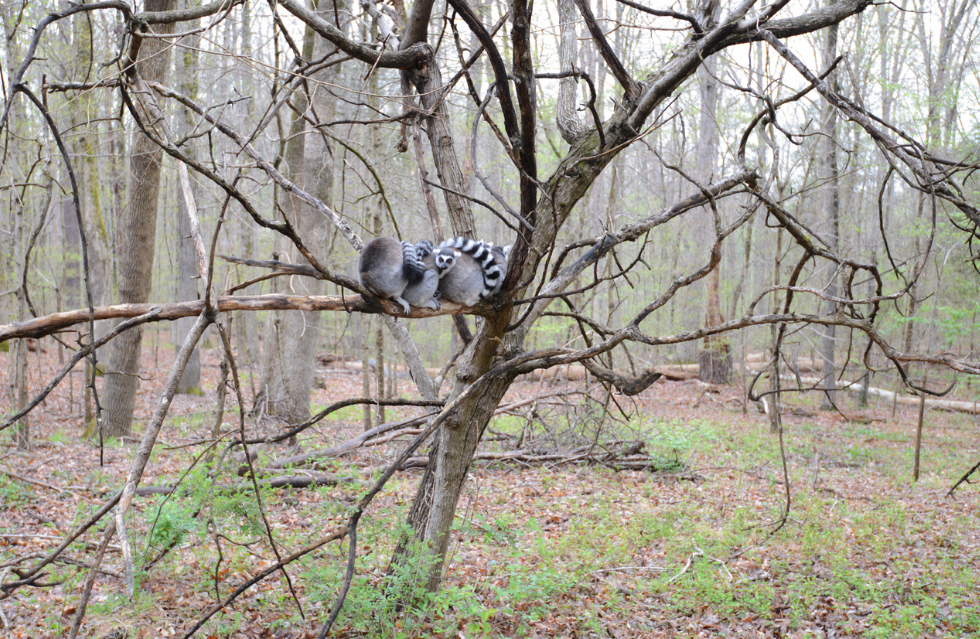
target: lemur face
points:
(445, 260)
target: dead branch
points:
(965, 479)
(90, 580)
(57, 322)
(614, 455)
(626, 385)
(887, 395)
(289, 481)
(285, 561)
(119, 328)
(372, 436)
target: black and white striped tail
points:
(424, 248)
(493, 276)
(413, 269)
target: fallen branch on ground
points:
(288, 481)
(615, 455)
(887, 395)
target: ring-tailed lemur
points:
(437, 263)
(477, 273)
(387, 267)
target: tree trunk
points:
(187, 266)
(715, 360)
(17, 373)
(831, 200)
(136, 243)
(291, 349)
(434, 508)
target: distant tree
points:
(136, 236)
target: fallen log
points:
(679, 373)
(939, 404)
(568, 373)
(358, 366)
(531, 459)
(287, 481)
(619, 455)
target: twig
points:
(285, 561)
(90, 580)
(697, 553)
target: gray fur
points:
(386, 267)
(477, 257)
(464, 282)
(425, 293)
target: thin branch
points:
(630, 86)
(698, 29)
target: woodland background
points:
(845, 226)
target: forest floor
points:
(559, 550)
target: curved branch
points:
(630, 86)
(508, 111)
(741, 28)
(665, 14)
(406, 58)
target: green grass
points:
(576, 551)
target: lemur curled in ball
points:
(478, 271)
(387, 267)
(437, 263)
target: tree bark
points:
(136, 243)
(291, 347)
(187, 268)
(715, 360)
(569, 124)
(831, 205)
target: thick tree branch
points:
(188, 14)
(788, 27)
(55, 322)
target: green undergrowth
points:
(587, 551)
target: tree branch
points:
(630, 86)
(55, 322)
(406, 58)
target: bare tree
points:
(558, 262)
(136, 237)
(830, 203)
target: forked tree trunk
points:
(435, 503)
(136, 243)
